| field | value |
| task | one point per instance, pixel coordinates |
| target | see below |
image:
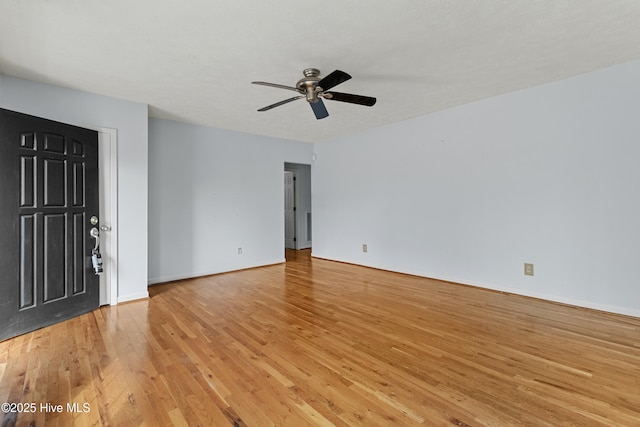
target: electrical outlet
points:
(239, 251)
(528, 269)
(364, 247)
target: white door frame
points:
(294, 219)
(303, 211)
(108, 182)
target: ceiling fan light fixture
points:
(312, 96)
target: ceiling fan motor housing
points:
(309, 83)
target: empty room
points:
(294, 213)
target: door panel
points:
(27, 261)
(49, 190)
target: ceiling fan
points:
(314, 89)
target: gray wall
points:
(547, 175)
(131, 121)
(211, 192)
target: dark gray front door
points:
(48, 193)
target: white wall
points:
(212, 191)
(130, 119)
(547, 175)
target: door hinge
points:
(294, 239)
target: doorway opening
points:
(297, 206)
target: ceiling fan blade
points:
(349, 97)
(276, 85)
(319, 109)
(277, 104)
(333, 79)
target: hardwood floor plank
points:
(319, 343)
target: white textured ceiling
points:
(194, 60)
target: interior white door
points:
(289, 210)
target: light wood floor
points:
(314, 342)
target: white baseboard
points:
(133, 297)
(553, 298)
(172, 278)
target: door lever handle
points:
(96, 258)
(96, 235)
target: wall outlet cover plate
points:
(528, 269)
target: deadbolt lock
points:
(93, 220)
